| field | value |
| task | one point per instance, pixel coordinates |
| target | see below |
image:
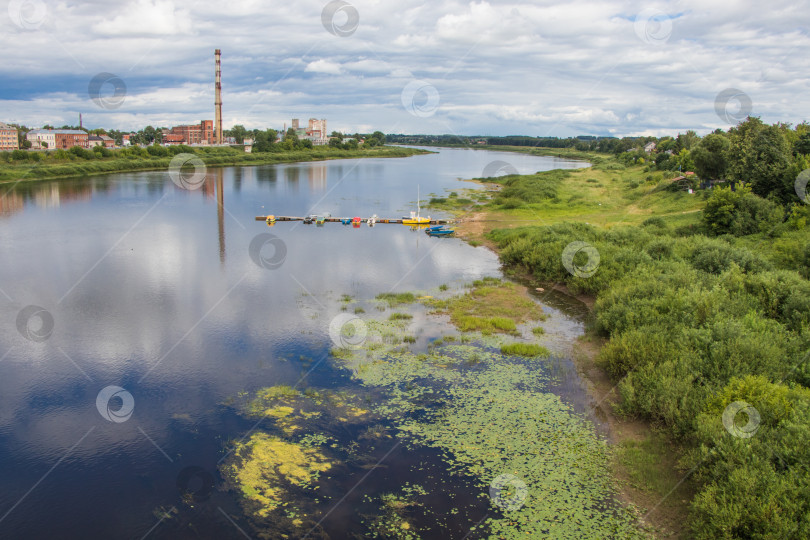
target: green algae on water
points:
(490, 414)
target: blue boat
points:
(440, 232)
(435, 228)
(346, 221)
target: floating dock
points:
(362, 220)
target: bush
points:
(751, 486)
(740, 213)
(157, 151)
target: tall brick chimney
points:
(218, 100)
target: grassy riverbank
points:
(566, 153)
(691, 329)
(61, 164)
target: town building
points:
(100, 140)
(8, 138)
(41, 139)
(202, 133)
(68, 138)
(649, 147)
(49, 139)
(315, 131)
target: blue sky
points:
(491, 68)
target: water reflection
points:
(317, 178)
(219, 175)
(146, 295)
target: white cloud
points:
(153, 17)
(323, 66)
(500, 67)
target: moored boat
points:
(415, 218)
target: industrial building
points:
(202, 133)
(8, 138)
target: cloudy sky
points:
(409, 66)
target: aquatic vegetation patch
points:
(490, 414)
(471, 323)
(267, 471)
(400, 317)
(293, 411)
(276, 471)
(492, 424)
(392, 520)
(491, 305)
(524, 349)
(395, 299)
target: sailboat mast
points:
(418, 210)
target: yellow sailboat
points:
(415, 218)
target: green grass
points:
(395, 299)
(538, 330)
(400, 317)
(470, 323)
(642, 463)
(524, 349)
(606, 194)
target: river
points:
(154, 294)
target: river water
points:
(152, 289)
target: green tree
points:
(803, 144)
(147, 135)
(761, 155)
(686, 140)
(711, 157)
(684, 161)
(238, 132)
(291, 135)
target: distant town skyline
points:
(447, 67)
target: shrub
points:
(740, 212)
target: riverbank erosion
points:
(697, 354)
(30, 166)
